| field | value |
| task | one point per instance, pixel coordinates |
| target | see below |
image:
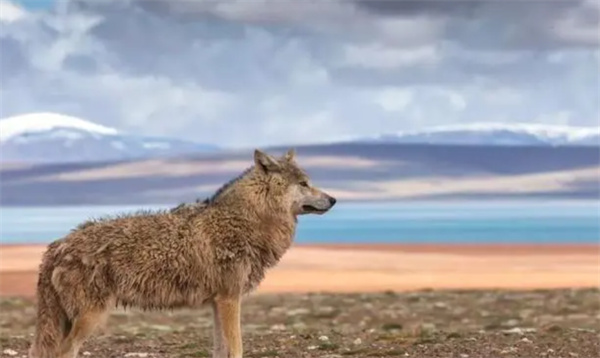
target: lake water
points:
(406, 222)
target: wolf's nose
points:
(332, 201)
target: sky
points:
(263, 72)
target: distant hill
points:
(56, 138)
(495, 134)
(351, 171)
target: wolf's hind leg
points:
(82, 328)
(228, 342)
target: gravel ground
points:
(540, 323)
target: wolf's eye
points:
(304, 183)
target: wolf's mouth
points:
(312, 209)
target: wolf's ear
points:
(265, 162)
(290, 155)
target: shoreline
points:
(450, 246)
(384, 267)
(465, 248)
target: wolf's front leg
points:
(219, 348)
(227, 329)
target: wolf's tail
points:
(52, 323)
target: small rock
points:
(428, 327)
(508, 350)
(10, 352)
(297, 312)
(573, 354)
(578, 316)
(278, 327)
(253, 327)
(161, 327)
(511, 322)
(518, 330)
(515, 330)
(440, 305)
(357, 341)
(299, 326)
(550, 350)
(464, 355)
(323, 338)
(453, 335)
(311, 348)
(136, 354)
(326, 309)
(526, 313)
(525, 340)
(277, 310)
(554, 328)
(86, 353)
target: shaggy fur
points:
(208, 253)
(190, 208)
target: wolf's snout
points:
(332, 200)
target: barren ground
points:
(486, 323)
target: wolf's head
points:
(287, 186)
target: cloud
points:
(10, 12)
(377, 56)
(254, 73)
(394, 99)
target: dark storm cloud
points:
(526, 24)
(454, 8)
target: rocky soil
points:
(541, 323)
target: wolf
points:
(211, 253)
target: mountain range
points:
(52, 159)
(57, 138)
(497, 134)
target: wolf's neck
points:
(277, 235)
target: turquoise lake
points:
(403, 222)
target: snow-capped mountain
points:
(51, 137)
(496, 134)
